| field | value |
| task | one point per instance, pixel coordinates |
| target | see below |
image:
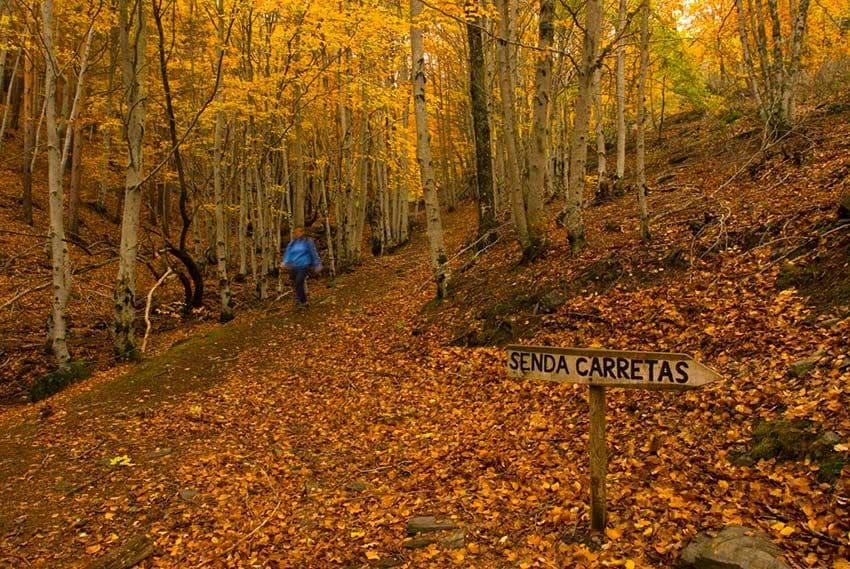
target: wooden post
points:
(599, 369)
(598, 458)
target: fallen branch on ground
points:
(43, 286)
(161, 280)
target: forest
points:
(511, 200)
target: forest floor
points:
(294, 438)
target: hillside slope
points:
(313, 437)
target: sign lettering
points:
(608, 368)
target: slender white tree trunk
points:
(27, 109)
(798, 32)
(439, 259)
(9, 96)
(107, 130)
(509, 131)
(299, 199)
(133, 67)
(218, 151)
(621, 96)
(603, 186)
(60, 259)
(243, 228)
(641, 121)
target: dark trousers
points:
(299, 277)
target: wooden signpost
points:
(600, 369)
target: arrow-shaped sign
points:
(608, 368)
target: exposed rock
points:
(56, 381)
(613, 227)
(794, 440)
(844, 206)
(665, 178)
(356, 486)
(453, 540)
(802, 368)
(426, 524)
(552, 301)
(735, 547)
(159, 453)
(429, 530)
(788, 440)
(676, 258)
(187, 495)
(391, 561)
(132, 553)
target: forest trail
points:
(309, 439)
(251, 403)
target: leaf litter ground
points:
(308, 439)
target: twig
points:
(728, 180)
(587, 315)
(253, 531)
(465, 267)
(48, 283)
(467, 248)
(89, 450)
(385, 467)
(23, 294)
(89, 482)
(70, 240)
(11, 556)
(807, 242)
(161, 280)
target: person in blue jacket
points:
(300, 258)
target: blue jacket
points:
(301, 254)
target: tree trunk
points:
(509, 134)
(748, 60)
(404, 160)
(76, 177)
(243, 228)
(132, 68)
(621, 97)
(641, 121)
(578, 146)
(798, 33)
(325, 212)
(226, 314)
(27, 112)
(103, 186)
(9, 91)
(60, 260)
(539, 136)
(439, 259)
(481, 128)
(603, 185)
(298, 203)
(180, 252)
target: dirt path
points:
(307, 440)
(219, 407)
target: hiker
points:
(300, 258)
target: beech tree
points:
(775, 80)
(59, 256)
(481, 128)
(505, 69)
(439, 259)
(133, 42)
(538, 146)
(578, 146)
(641, 121)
